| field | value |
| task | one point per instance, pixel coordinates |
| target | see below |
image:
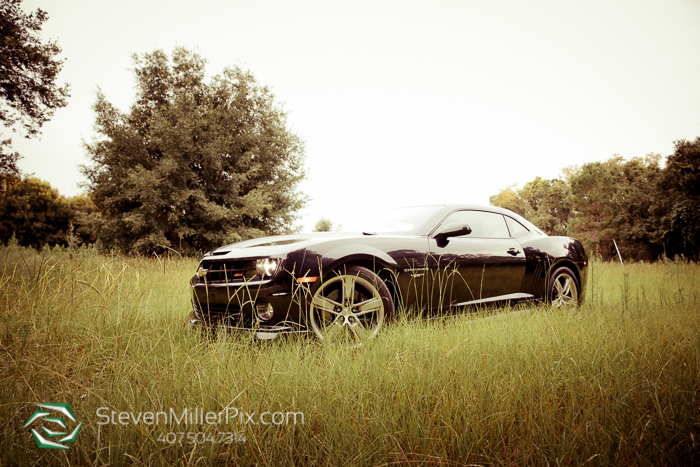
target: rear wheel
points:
(563, 288)
(352, 306)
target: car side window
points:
(484, 224)
(516, 228)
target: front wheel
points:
(563, 290)
(352, 305)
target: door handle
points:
(514, 252)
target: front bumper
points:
(262, 331)
(233, 306)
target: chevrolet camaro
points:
(431, 259)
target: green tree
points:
(638, 230)
(323, 225)
(35, 214)
(8, 163)
(85, 218)
(29, 95)
(196, 162)
(593, 187)
(509, 198)
(551, 203)
(545, 203)
(680, 183)
(616, 202)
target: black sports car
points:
(432, 259)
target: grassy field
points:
(612, 383)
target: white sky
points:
(404, 102)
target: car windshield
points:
(399, 220)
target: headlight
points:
(267, 266)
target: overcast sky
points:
(404, 102)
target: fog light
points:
(265, 310)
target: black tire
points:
(353, 302)
(563, 289)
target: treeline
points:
(640, 206)
(36, 215)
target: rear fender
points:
(544, 254)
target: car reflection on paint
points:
(437, 259)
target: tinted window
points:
(516, 228)
(483, 224)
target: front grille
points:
(229, 271)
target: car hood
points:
(280, 244)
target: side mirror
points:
(452, 230)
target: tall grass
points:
(612, 383)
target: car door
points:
(478, 267)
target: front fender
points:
(345, 253)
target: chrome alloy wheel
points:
(564, 289)
(350, 306)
